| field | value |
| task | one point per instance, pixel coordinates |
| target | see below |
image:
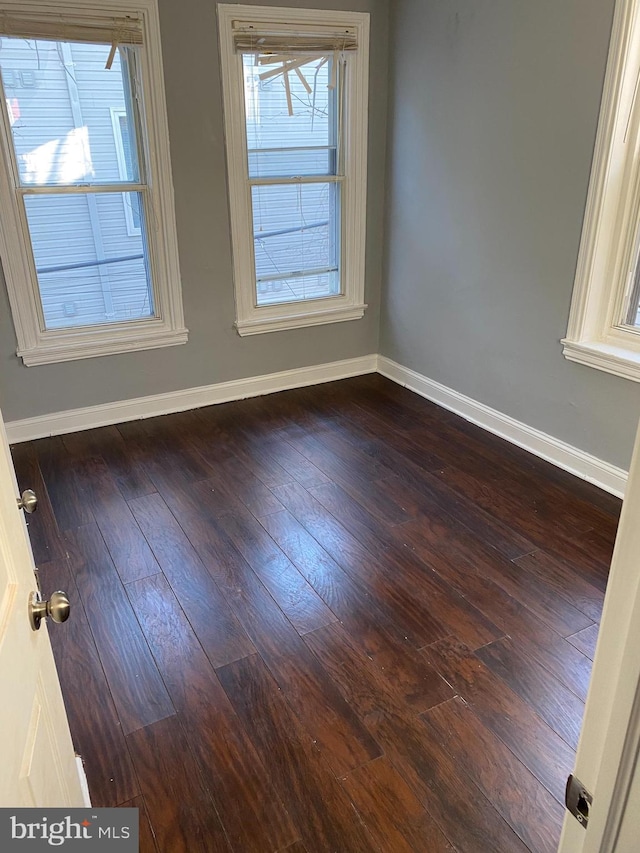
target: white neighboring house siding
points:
(73, 241)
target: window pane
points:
(292, 162)
(633, 311)
(278, 141)
(298, 289)
(295, 229)
(59, 97)
(90, 271)
(632, 317)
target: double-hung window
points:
(295, 96)
(87, 229)
(604, 323)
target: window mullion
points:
(302, 179)
(80, 189)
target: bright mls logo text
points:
(57, 832)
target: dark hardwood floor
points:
(331, 619)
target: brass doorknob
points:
(28, 502)
(57, 608)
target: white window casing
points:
(600, 333)
(111, 22)
(306, 31)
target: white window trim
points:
(250, 319)
(37, 346)
(609, 249)
(116, 115)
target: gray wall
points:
(493, 112)
(214, 353)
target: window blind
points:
(290, 49)
(93, 30)
(253, 37)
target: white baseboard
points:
(564, 455)
(74, 420)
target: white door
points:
(38, 766)
(608, 752)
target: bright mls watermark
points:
(69, 829)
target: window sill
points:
(619, 360)
(78, 345)
(260, 325)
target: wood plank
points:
(200, 501)
(44, 534)
(294, 595)
(373, 697)
(457, 554)
(147, 841)
(338, 732)
(426, 495)
(129, 549)
(62, 483)
(184, 816)
(219, 632)
(411, 610)
(136, 686)
(293, 462)
(257, 452)
(364, 620)
(454, 612)
(345, 596)
(582, 547)
(392, 813)
(238, 479)
(476, 466)
(332, 724)
(415, 576)
(94, 722)
(494, 459)
(220, 435)
(590, 558)
(279, 411)
(438, 534)
(515, 484)
(251, 812)
(262, 620)
(568, 583)
(548, 697)
(107, 442)
(329, 719)
(505, 714)
(349, 466)
(161, 447)
(517, 795)
(585, 640)
(571, 667)
(314, 798)
(440, 785)
(381, 440)
(332, 449)
(231, 469)
(373, 531)
(511, 617)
